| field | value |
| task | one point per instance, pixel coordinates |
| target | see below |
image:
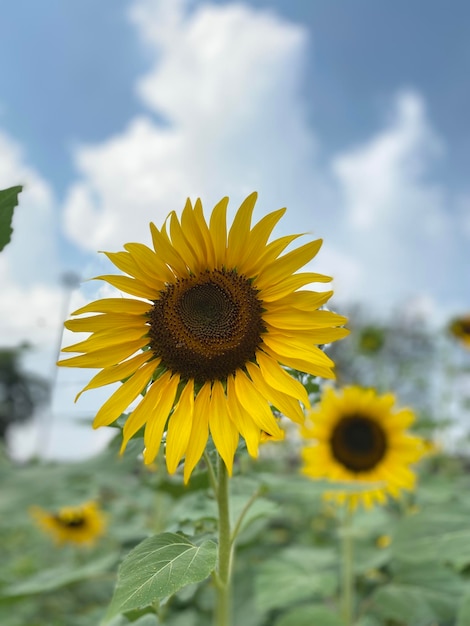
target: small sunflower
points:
(215, 315)
(359, 438)
(73, 524)
(459, 327)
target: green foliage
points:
(8, 201)
(157, 568)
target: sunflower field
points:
(285, 464)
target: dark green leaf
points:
(8, 201)
(157, 568)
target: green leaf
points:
(308, 615)
(463, 614)
(8, 201)
(295, 574)
(440, 536)
(420, 594)
(157, 568)
(57, 577)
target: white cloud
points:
(29, 305)
(227, 80)
(397, 223)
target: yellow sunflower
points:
(358, 437)
(215, 316)
(74, 524)
(460, 329)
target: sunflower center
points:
(71, 520)
(207, 326)
(358, 443)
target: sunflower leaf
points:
(157, 568)
(8, 201)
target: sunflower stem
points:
(347, 554)
(223, 612)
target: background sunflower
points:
(82, 524)
(359, 438)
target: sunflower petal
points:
(105, 321)
(119, 372)
(243, 420)
(165, 250)
(145, 409)
(286, 287)
(105, 356)
(278, 378)
(284, 403)
(284, 266)
(115, 305)
(118, 402)
(255, 404)
(130, 285)
(179, 428)
(240, 230)
(199, 431)
(156, 423)
(223, 430)
(218, 231)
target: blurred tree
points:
(20, 392)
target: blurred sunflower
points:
(218, 315)
(74, 524)
(359, 438)
(460, 329)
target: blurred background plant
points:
(411, 560)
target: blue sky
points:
(354, 115)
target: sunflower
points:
(359, 438)
(73, 524)
(459, 327)
(215, 316)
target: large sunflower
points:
(73, 524)
(219, 313)
(355, 436)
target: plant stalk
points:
(223, 612)
(347, 574)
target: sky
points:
(352, 115)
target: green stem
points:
(223, 612)
(347, 554)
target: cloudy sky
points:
(354, 115)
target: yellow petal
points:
(105, 321)
(195, 221)
(106, 338)
(291, 284)
(242, 420)
(115, 305)
(131, 285)
(240, 231)
(257, 240)
(304, 300)
(218, 231)
(278, 378)
(268, 255)
(150, 263)
(223, 430)
(126, 263)
(182, 244)
(115, 373)
(157, 420)
(145, 409)
(284, 403)
(255, 404)
(105, 356)
(295, 319)
(199, 431)
(118, 402)
(166, 251)
(297, 346)
(315, 369)
(179, 428)
(285, 266)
